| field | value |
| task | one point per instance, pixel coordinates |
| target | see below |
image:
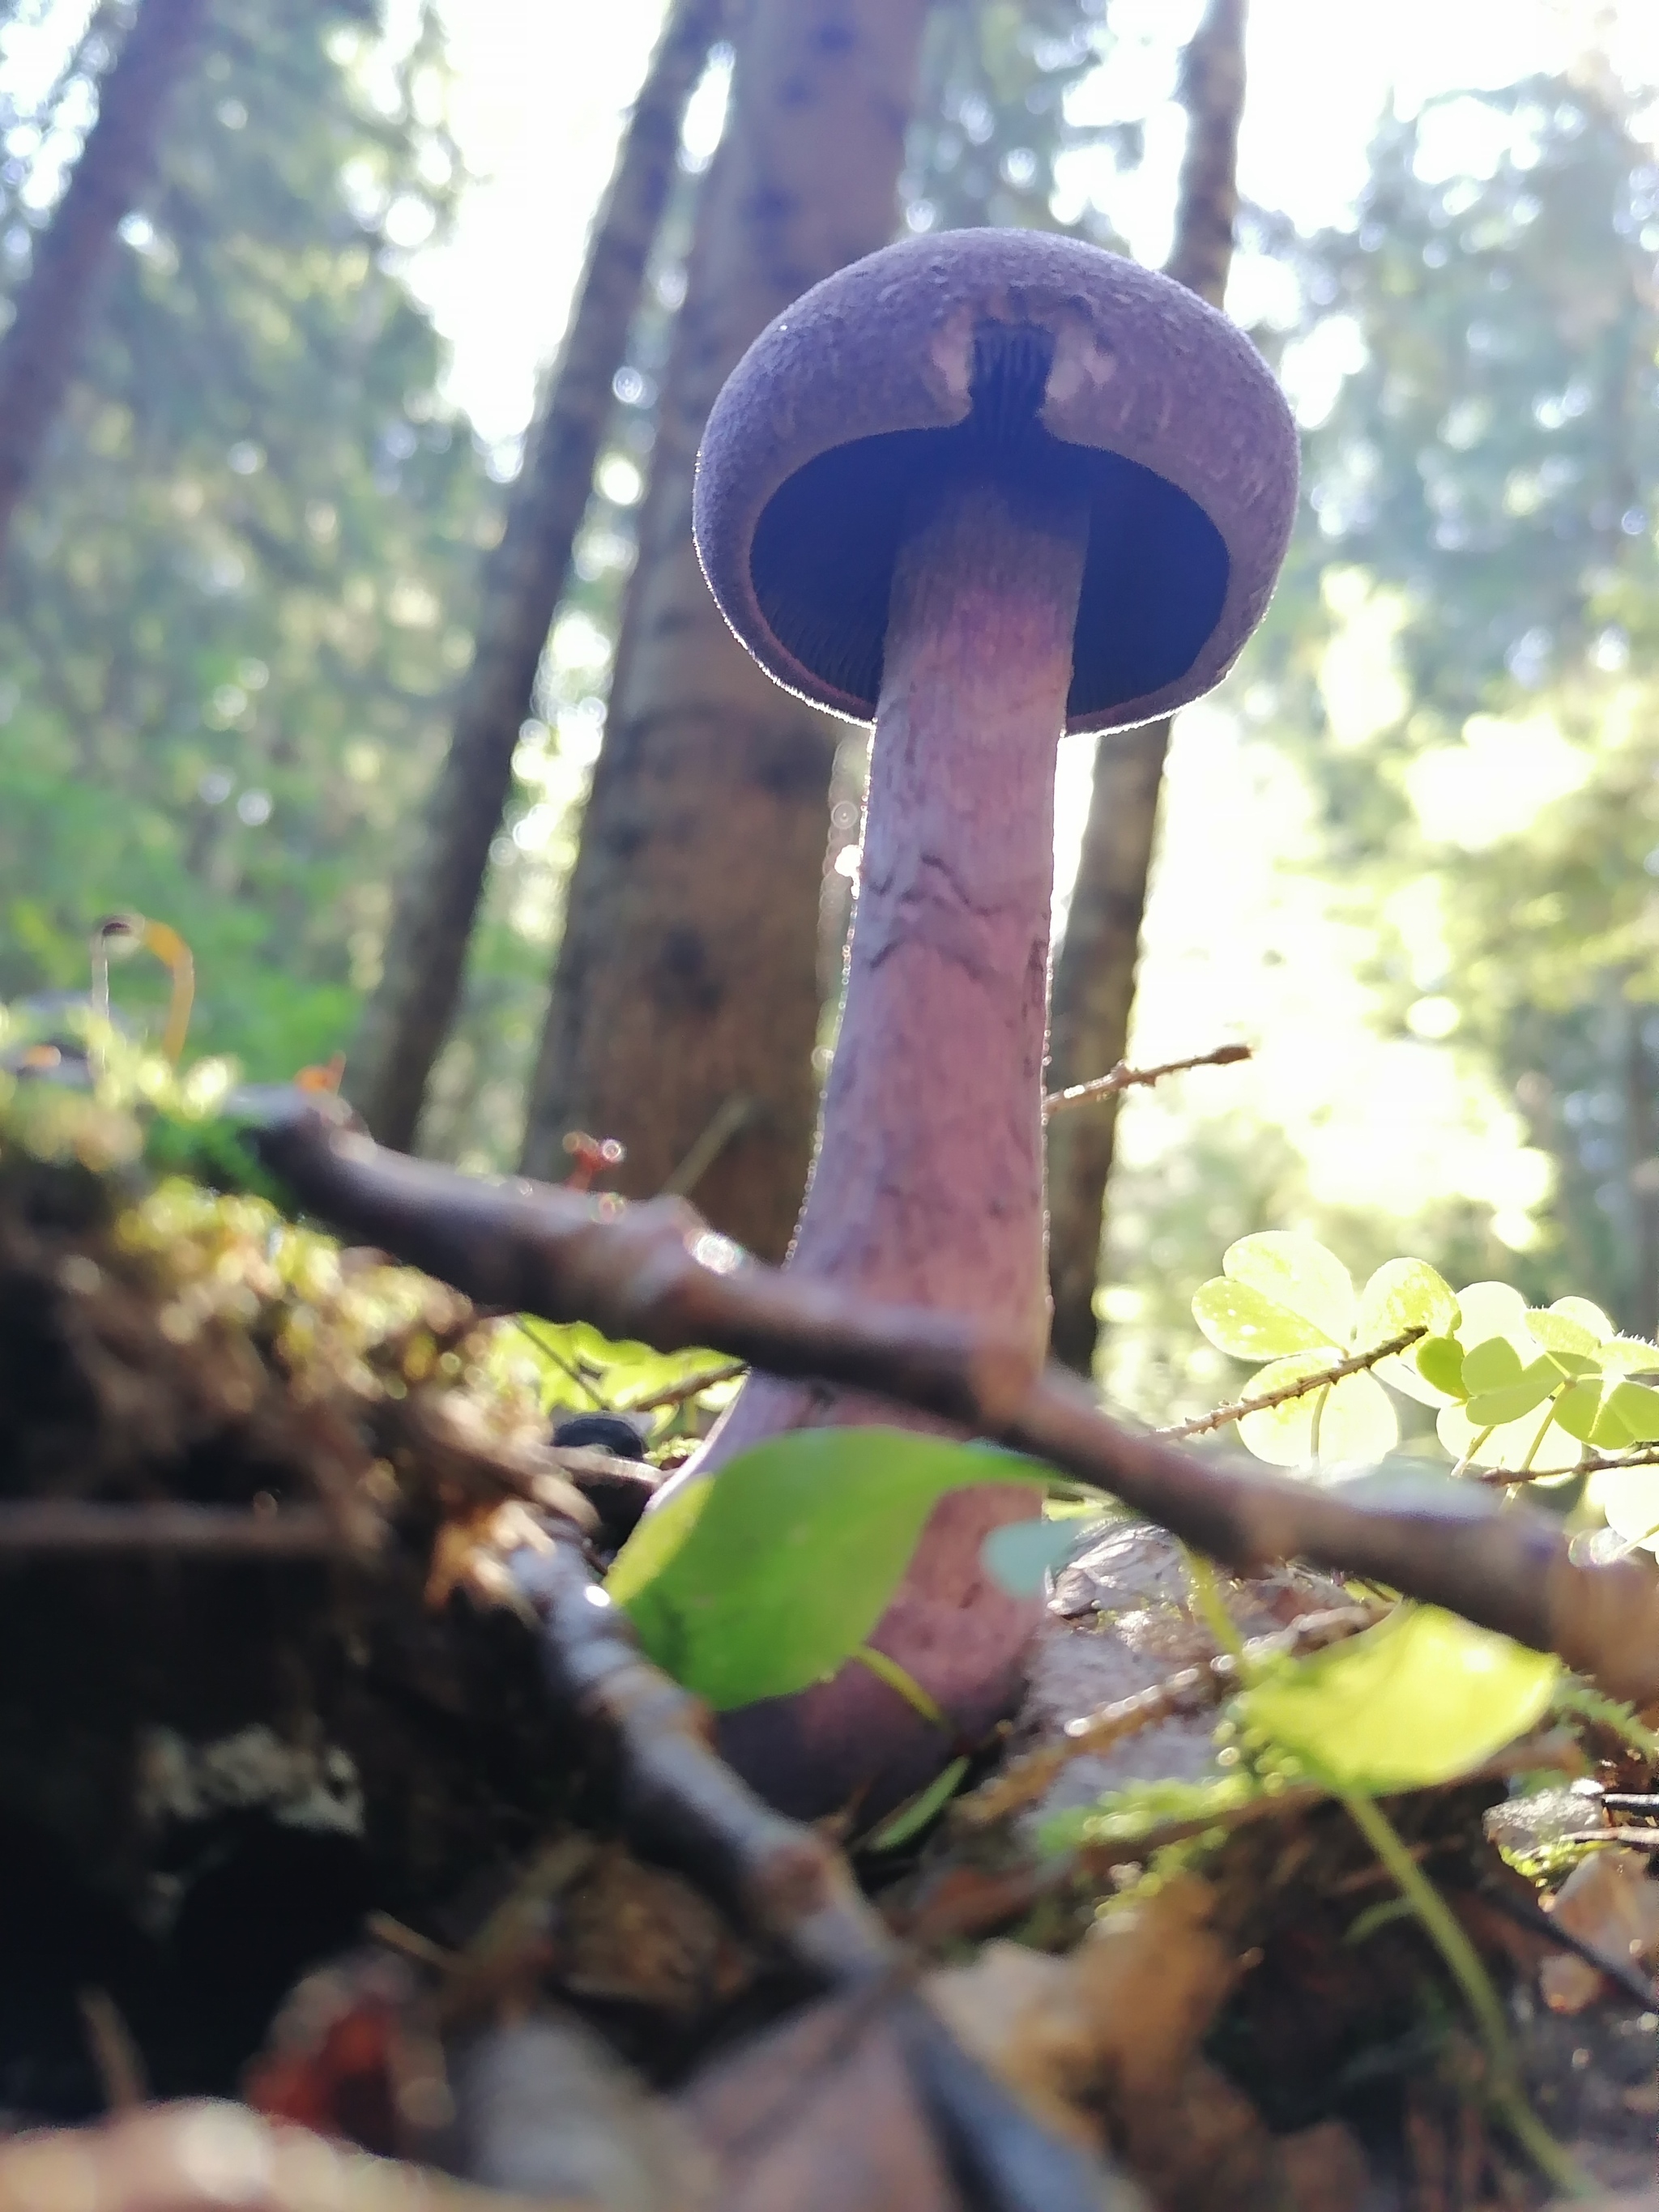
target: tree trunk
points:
(686, 983)
(403, 1027)
(1095, 974)
(38, 354)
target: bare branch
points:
(1357, 1364)
(1123, 1078)
(655, 1273)
(1191, 1689)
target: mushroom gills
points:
(1154, 577)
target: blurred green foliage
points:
(240, 590)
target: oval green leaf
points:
(1341, 1423)
(1493, 1309)
(1510, 1445)
(1405, 1294)
(1493, 1364)
(1560, 1331)
(1577, 1408)
(1020, 1556)
(791, 1554)
(1248, 1324)
(1629, 1496)
(1440, 1364)
(1629, 1355)
(1297, 1272)
(1629, 1415)
(1418, 1700)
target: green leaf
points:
(1440, 1363)
(1494, 1364)
(1588, 1317)
(1493, 1309)
(914, 1815)
(1511, 1445)
(1510, 1400)
(1560, 1331)
(1020, 1555)
(1404, 1294)
(1250, 1325)
(791, 1556)
(1298, 1273)
(1630, 1355)
(1629, 1496)
(1576, 1407)
(1419, 1699)
(1343, 1422)
(1629, 1415)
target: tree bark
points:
(1095, 974)
(38, 354)
(687, 977)
(404, 1025)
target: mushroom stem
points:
(927, 1186)
(929, 1183)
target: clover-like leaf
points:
(1629, 1496)
(1629, 1415)
(1491, 1309)
(1245, 1321)
(1547, 1374)
(1535, 1443)
(1404, 1294)
(1588, 1315)
(1418, 1700)
(781, 1567)
(1335, 1425)
(1629, 1355)
(1297, 1272)
(1561, 1332)
(1577, 1407)
(1493, 1364)
(1439, 1361)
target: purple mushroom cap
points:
(880, 377)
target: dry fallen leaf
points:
(1608, 1901)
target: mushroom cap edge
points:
(1142, 368)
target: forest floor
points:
(287, 1813)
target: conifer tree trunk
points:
(1094, 972)
(685, 991)
(403, 1027)
(39, 349)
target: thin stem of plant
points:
(1441, 1925)
(1356, 1364)
(1124, 1078)
(655, 1401)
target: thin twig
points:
(1192, 1689)
(656, 1273)
(1357, 1364)
(679, 1799)
(655, 1401)
(729, 1119)
(30, 1526)
(1638, 1839)
(565, 1366)
(1124, 1078)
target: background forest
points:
(1410, 852)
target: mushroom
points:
(979, 489)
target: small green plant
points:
(1520, 1392)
